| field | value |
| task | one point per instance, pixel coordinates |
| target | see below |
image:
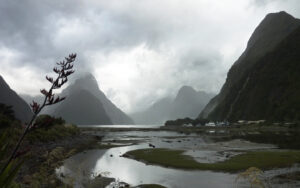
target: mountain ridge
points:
(274, 29)
(10, 97)
(88, 83)
(186, 103)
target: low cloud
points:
(139, 51)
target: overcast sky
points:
(138, 50)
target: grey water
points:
(122, 126)
(110, 163)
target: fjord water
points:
(121, 126)
(136, 173)
(110, 163)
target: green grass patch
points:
(176, 159)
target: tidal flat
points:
(167, 157)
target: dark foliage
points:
(65, 69)
(46, 121)
(7, 110)
(7, 116)
(180, 122)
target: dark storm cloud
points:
(147, 49)
(31, 27)
(28, 27)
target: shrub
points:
(9, 168)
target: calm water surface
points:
(109, 162)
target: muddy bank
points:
(44, 157)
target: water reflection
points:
(135, 173)
(122, 126)
(109, 163)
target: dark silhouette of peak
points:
(263, 83)
(273, 28)
(87, 78)
(3, 84)
(278, 15)
(186, 90)
(88, 83)
(9, 97)
(187, 103)
(82, 108)
(157, 113)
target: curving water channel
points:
(110, 163)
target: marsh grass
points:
(176, 159)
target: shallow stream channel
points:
(83, 167)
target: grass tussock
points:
(177, 159)
(54, 133)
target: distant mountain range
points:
(187, 103)
(264, 83)
(9, 97)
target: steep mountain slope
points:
(251, 90)
(83, 108)
(187, 103)
(89, 84)
(28, 98)
(157, 113)
(9, 97)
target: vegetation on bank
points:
(12, 148)
(38, 163)
(177, 159)
(53, 129)
(180, 122)
(43, 149)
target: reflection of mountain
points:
(91, 102)
(264, 82)
(9, 97)
(187, 103)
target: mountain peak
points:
(279, 14)
(9, 97)
(251, 90)
(3, 84)
(185, 89)
(272, 29)
(86, 77)
(87, 81)
(87, 85)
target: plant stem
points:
(12, 156)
